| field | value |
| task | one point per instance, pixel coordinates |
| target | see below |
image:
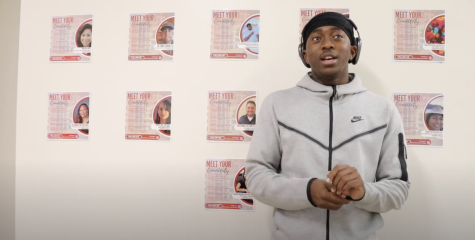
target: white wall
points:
(109, 188)
(10, 28)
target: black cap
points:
(328, 19)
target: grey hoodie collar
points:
(326, 91)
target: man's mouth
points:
(328, 58)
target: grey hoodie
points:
(302, 133)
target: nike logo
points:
(356, 119)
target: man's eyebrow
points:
(331, 29)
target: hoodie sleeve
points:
(263, 163)
(391, 188)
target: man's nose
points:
(327, 43)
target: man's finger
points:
(334, 199)
(335, 171)
(337, 180)
(353, 175)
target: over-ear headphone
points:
(358, 44)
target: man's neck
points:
(340, 79)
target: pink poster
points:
(423, 118)
(71, 38)
(235, 34)
(225, 185)
(68, 116)
(419, 35)
(148, 115)
(231, 116)
(151, 36)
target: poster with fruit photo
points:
(225, 185)
(419, 35)
(148, 115)
(151, 36)
(68, 115)
(231, 116)
(71, 38)
(422, 115)
(235, 34)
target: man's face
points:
(249, 27)
(168, 35)
(327, 51)
(251, 110)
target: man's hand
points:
(323, 198)
(346, 181)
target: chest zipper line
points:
(330, 154)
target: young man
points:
(251, 35)
(328, 154)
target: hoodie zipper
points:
(330, 154)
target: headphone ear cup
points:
(301, 55)
(359, 44)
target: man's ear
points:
(353, 51)
(304, 54)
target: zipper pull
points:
(335, 93)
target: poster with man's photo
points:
(305, 14)
(235, 34)
(71, 38)
(419, 35)
(151, 36)
(231, 116)
(225, 185)
(423, 118)
(148, 115)
(68, 115)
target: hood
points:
(326, 92)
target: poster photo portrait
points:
(148, 115)
(84, 37)
(151, 36)
(422, 116)
(163, 114)
(250, 33)
(246, 114)
(235, 34)
(81, 115)
(71, 38)
(68, 116)
(231, 115)
(165, 34)
(225, 186)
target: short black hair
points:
(250, 101)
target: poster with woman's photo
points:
(151, 36)
(71, 38)
(68, 115)
(148, 115)
(225, 185)
(423, 118)
(419, 35)
(306, 14)
(231, 116)
(235, 34)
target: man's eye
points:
(338, 36)
(316, 39)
